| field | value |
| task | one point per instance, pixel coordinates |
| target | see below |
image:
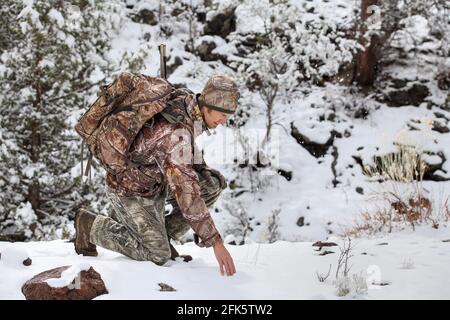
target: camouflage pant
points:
(138, 227)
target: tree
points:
(50, 56)
(381, 20)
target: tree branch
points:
(76, 91)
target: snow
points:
(151, 6)
(28, 11)
(415, 264)
(68, 275)
(56, 16)
(26, 213)
(12, 257)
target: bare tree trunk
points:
(269, 95)
(368, 59)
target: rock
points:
(439, 127)
(90, 286)
(239, 193)
(201, 17)
(443, 80)
(145, 16)
(361, 113)
(170, 68)
(399, 83)
(321, 244)
(315, 149)
(331, 117)
(286, 174)
(27, 262)
(15, 237)
(301, 221)
(412, 96)
(252, 43)
(222, 24)
(441, 116)
(165, 287)
(380, 283)
(432, 170)
(347, 133)
(204, 51)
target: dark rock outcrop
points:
(412, 96)
(205, 52)
(221, 24)
(145, 16)
(314, 148)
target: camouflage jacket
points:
(165, 153)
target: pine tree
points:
(52, 53)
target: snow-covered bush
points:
(240, 228)
(346, 283)
(354, 284)
(289, 52)
(406, 165)
(273, 232)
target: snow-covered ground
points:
(414, 265)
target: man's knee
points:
(161, 259)
(158, 253)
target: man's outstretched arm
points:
(184, 184)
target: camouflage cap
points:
(220, 93)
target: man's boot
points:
(83, 226)
(174, 254)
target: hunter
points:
(138, 226)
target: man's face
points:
(214, 118)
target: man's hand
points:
(224, 259)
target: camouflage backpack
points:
(113, 121)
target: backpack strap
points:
(176, 117)
(172, 118)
